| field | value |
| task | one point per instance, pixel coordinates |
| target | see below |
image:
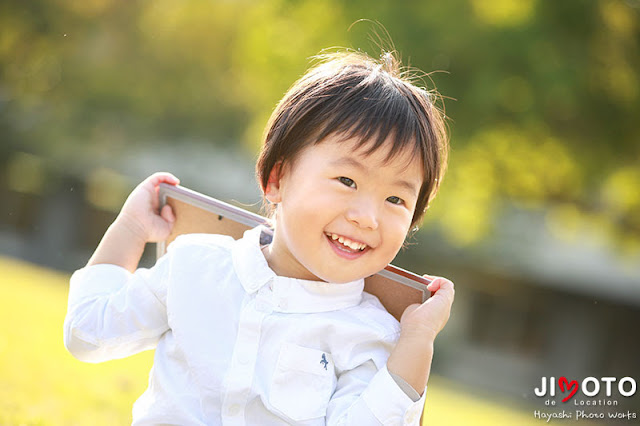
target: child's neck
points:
(284, 264)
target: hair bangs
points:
(375, 113)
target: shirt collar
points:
(290, 295)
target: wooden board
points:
(197, 213)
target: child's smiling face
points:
(341, 214)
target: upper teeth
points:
(347, 242)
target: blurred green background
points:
(537, 220)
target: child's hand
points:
(428, 319)
(420, 324)
(141, 214)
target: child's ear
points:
(272, 192)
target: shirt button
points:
(243, 359)
(283, 304)
(411, 416)
(234, 410)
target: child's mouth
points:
(345, 244)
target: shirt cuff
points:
(389, 403)
(406, 387)
(96, 280)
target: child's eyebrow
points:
(349, 161)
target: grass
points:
(41, 384)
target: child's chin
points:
(341, 278)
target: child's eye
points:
(347, 181)
(395, 200)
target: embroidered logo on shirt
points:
(324, 361)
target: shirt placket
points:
(243, 361)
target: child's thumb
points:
(409, 309)
(162, 225)
(167, 213)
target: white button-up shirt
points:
(236, 344)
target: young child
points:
(283, 333)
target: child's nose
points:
(364, 214)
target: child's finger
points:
(160, 177)
(439, 283)
(152, 183)
(445, 289)
(435, 282)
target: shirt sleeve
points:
(367, 396)
(113, 313)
